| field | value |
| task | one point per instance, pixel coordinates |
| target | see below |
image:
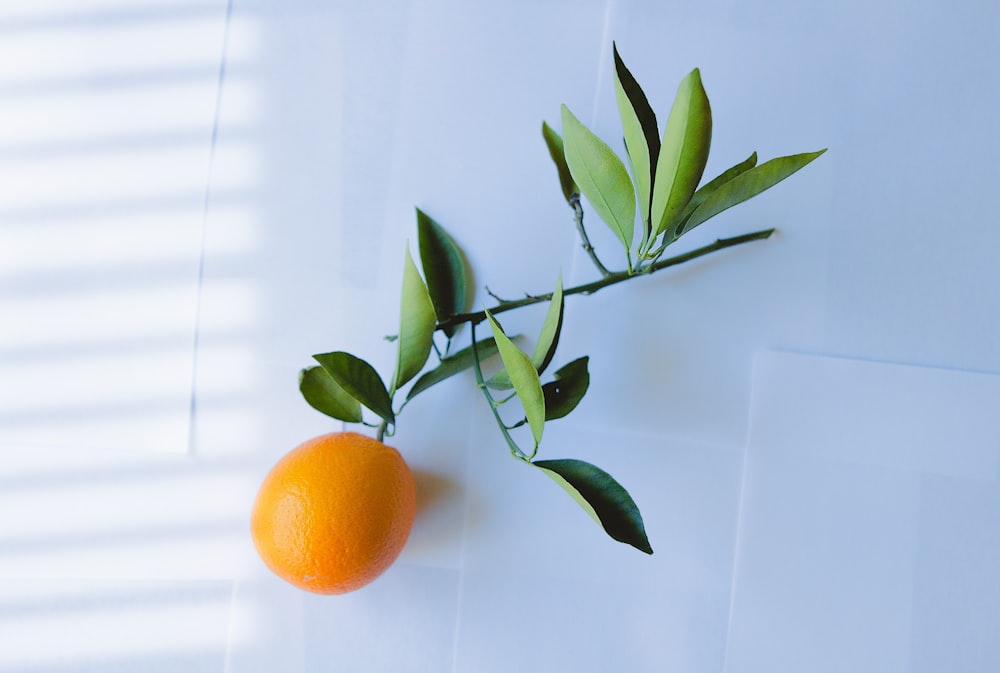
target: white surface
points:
(870, 507)
(106, 128)
(191, 187)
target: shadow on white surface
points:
(105, 135)
(114, 626)
(118, 545)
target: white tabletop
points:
(196, 196)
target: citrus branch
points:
(609, 279)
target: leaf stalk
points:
(515, 450)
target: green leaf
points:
(602, 177)
(548, 340)
(748, 185)
(603, 498)
(524, 377)
(545, 347)
(444, 269)
(642, 140)
(416, 325)
(710, 188)
(323, 394)
(555, 144)
(453, 364)
(683, 153)
(565, 392)
(360, 380)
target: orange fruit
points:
(334, 513)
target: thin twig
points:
(574, 202)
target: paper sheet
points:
(870, 507)
(106, 121)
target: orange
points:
(334, 513)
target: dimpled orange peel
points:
(334, 513)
